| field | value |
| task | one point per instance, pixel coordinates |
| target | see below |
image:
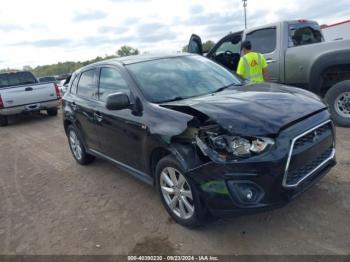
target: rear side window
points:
(74, 86)
(304, 34)
(263, 40)
(111, 81)
(87, 84)
(15, 79)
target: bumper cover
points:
(27, 108)
(216, 182)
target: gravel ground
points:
(51, 205)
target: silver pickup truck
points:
(297, 55)
(20, 92)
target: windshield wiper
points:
(225, 87)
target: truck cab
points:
(297, 55)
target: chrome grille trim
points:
(332, 155)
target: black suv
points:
(212, 144)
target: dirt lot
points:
(51, 205)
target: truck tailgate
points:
(29, 94)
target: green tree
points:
(127, 51)
(208, 45)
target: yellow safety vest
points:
(251, 67)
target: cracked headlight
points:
(244, 147)
(239, 146)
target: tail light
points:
(1, 103)
(58, 93)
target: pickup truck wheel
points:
(52, 111)
(77, 147)
(3, 121)
(338, 100)
(179, 194)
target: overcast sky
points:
(39, 32)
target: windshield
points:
(180, 77)
(304, 34)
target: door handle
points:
(28, 89)
(74, 106)
(98, 116)
(270, 61)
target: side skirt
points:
(132, 171)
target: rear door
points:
(22, 89)
(84, 106)
(264, 41)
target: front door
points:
(195, 45)
(264, 41)
(121, 131)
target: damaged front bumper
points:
(256, 184)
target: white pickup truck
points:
(20, 92)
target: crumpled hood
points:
(254, 110)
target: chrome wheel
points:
(177, 193)
(75, 145)
(342, 104)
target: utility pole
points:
(245, 12)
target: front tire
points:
(4, 121)
(77, 147)
(179, 194)
(338, 100)
(52, 111)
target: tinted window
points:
(111, 81)
(74, 86)
(263, 41)
(180, 77)
(87, 85)
(47, 79)
(304, 34)
(20, 78)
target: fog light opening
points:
(246, 192)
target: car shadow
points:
(24, 119)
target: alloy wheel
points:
(75, 145)
(177, 193)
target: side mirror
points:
(117, 101)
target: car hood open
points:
(258, 109)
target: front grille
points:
(309, 152)
(296, 175)
(308, 139)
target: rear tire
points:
(77, 147)
(188, 210)
(4, 121)
(338, 100)
(52, 111)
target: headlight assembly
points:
(240, 146)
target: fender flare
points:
(335, 58)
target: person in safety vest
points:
(252, 65)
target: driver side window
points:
(111, 81)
